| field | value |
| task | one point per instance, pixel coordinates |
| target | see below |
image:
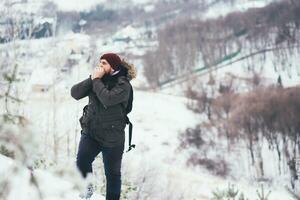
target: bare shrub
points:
(217, 166)
(192, 138)
(266, 112)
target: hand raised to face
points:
(98, 72)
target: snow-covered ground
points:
(157, 120)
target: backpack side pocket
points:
(84, 119)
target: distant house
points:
(122, 39)
(42, 79)
(40, 88)
(126, 35)
(29, 28)
(42, 30)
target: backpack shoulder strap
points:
(126, 111)
(130, 134)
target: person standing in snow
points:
(104, 119)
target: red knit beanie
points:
(113, 59)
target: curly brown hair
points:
(131, 69)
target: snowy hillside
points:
(157, 168)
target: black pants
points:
(112, 157)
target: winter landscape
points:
(216, 109)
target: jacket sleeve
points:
(81, 89)
(118, 94)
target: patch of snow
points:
(222, 9)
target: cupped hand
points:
(98, 72)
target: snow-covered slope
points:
(157, 120)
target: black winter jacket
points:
(108, 98)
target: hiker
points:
(104, 120)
